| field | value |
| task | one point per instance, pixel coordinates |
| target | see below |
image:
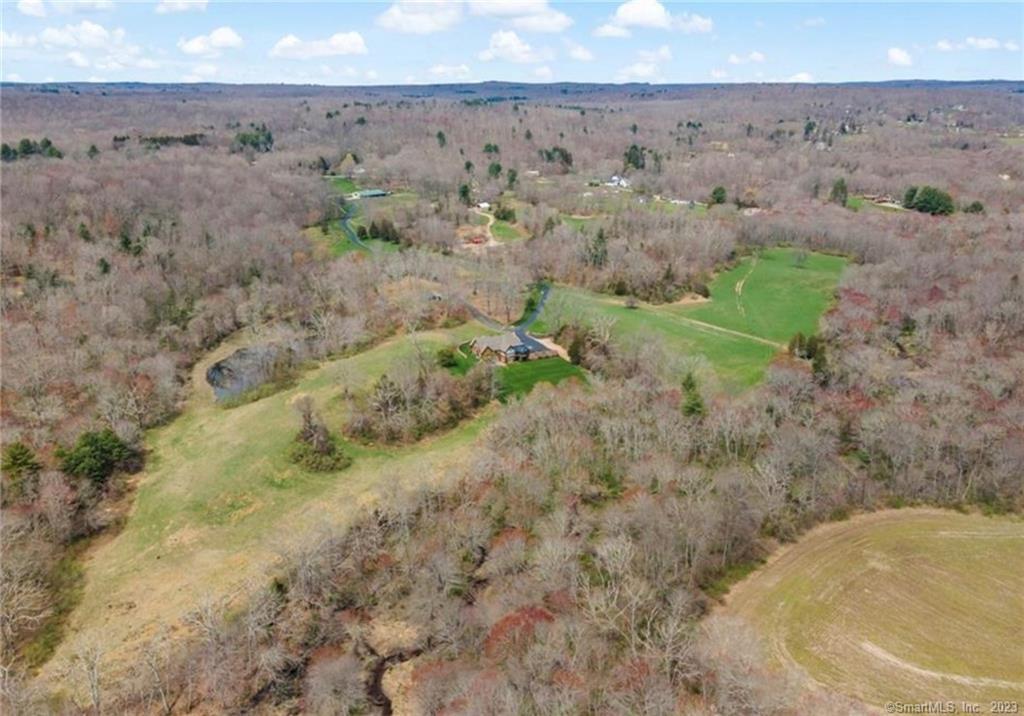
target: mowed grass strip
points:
(778, 297)
(911, 605)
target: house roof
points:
(497, 343)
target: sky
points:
(336, 43)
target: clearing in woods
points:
(755, 308)
(909, 605)
(219, 501)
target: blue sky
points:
(520, 40)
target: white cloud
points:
(77, 59)
(201, 73)
(549, 21)
(543, 73)
(14, 41)
(450, 72)
(983, 43)
(341, 43)
(526, 15)
(813, 22)
(753, 56)
(801, 77)
(642, 13)
(719, 74)
(610, 30)
(223, 38)
(637, 71)
(34, 8)
(694, 24)
(88, 44)
(166, 6)
(420, 18)
(977, 43)
(506, 45)
(578, 52)
(651, 14)
(85, 34)
(662, 54)
(899, 57)
(86, 6)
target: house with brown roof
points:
(510, 347)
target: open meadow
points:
(220, 502)
(754, 309)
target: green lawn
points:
(581, 223)
(464, 359)
(504, 231)
(777, 299)
(856, 203)
(344, 185)
(519, 378)
(338, 243)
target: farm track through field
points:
(729, 331)
(739, 287)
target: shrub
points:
(975, 207)
(447, 358)
(95, 455)
(505, 213)
(928, 200)
(310, 458)
(314, 448)
(718, 195)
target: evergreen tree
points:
(95, 455)
(839, 193)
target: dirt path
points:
(882, 655)
(731, 332)
(490, 221)
(739, 287)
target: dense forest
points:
(575, 565)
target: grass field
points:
(344, 185)
(336, 243)
(908, 606)
(737, 332)
(771, 296)
(504, 231)
(582, 223)
(519, 378)
(219, 501)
